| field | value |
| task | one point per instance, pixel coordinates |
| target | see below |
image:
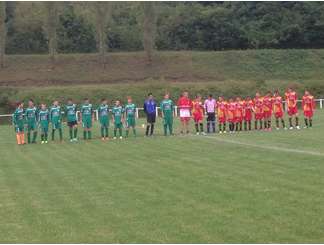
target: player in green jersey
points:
(87, 117)
(18, 120)
(103, 113)
(71, 118)
(56, 119)
(167, 114)
(31, 119)
(117, 116)
(130, 111)
(43, 119)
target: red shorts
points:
(267, 114)
(248, 116)
(198, 117)
(308, 114)
(279, 114)
(222, 120)
(292, 111)
(231, 120)
(239, 119)
(258, 116)
(184, 119)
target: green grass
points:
(253, 187)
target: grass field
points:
(244, 188)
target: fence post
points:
(176, 111)
(136, 112)
(321, 103)
(156, 111)
(97, 115)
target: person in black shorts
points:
(150, 111)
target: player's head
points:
(230, 100)
(238, 98)
(150, 96)
(30, 103)
(269, 93)
(70, 101)
(104, 101)
(289, 89)
(307, 92)
(19, 104)
(185, 94)
(248, 98)
(55, 103)
(43, 106)
(210, 96)
(86, 100)
(198, 97)
(220, 98)
(117, 102)
(166, 96)
(276, 92)
(129, 100)
(257, 94)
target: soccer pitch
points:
(257, 187)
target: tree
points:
(149, 26)
(51, 27)
(3, 33)
(102, 15)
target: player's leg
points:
(70, 124)
(115, 130)
(84, 129)
(53, 130)
(75, 131)
(29, 130)
(152, 129)
(120, 128)
(201, 125)
(60, 131)
(102, 130)
(89, 127)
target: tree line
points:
(83, 27)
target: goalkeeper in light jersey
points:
(103, 112)
(43, 119)
(18, 119)
(31, 119)
(130, 111)
(87, 117)
(167, 114)
(56, 120)
(117, 116)
(71, 118)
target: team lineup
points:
(232, 115)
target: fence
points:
(320, 102)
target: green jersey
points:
(130, 110)
(167, 107)
(86, 111)
(43, 117)
(70, 111)
(55, 114)
(103, 111)
(117, 112)
(18, 117)
(31, 115)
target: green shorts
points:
(87, 123)
(118, 125)
(19, 128)
(130, 122)
(57, 125)
(168, 120)
(44, 128)
(104, 122)
(31, 126)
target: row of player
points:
(238, 114)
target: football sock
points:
(241, 123)
(269, 123)
(120, 132)
(277, 122)
(201, 127)
(45, 136)
(283, 123)
(290, 122)
(147, 130)
(306, 122)
(84, 134)
(102, 129)
(115, 132)
(250, 126)
(220, 126)
(265, 124)
(61, 134)
(213, 126)
(34, 137)
(236, 126)
(208, 127)
(224, 126)
(297, 120)
(311, 122)
(75, 133)
(18, 139)
(22, 138)
(152, 129)
(134, 131)
(28, 137)
(127, 131)
(106, 132)
(171, 128)
(42, 137)
(196, 127)
(71, 133)
(53, 134)
(165, 129)
(256, 125)
(89, 135)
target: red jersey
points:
(239, 110)
(221, 109)
(248, 109)
(231, 109)
(291, 99)
(184, 103)
(278, 107)
(308, 103)
(258, 105)
(197, 108)
(267, 104)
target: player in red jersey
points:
(231, 109)
(248, 110)
(258, 111)
(308, 108)
(267, 110)
(278, 110)
(198, 114)
(239, 114)
(221, 114)
(291, 101)
(185, 106)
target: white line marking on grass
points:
(266, 147)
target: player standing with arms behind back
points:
(167, 114)
(185, 107)
(130, 112)
(31, 117)
(18, 119)
(117, 116)
(291, 101)
(198, 114)
(258, 111)
(308, 108)
(103, 112)
(150, 111)
(278, 110)
(56, 120)
(43, 119)
(210, 108)
(222, 114)
(86, 117)
(71, 118)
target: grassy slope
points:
(175, 189)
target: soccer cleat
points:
(203, 133)
(305, 127)
(42, 142)
(224, 132)
(71, 140)
(285, 128)
(121, 137)
(220, 132)
(291, 128)
(75, 140)
(297, 127)
(277, 128)
(46, 141)
(197, 133)
(115, 138)
(103, 138)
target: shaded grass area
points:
(165, 189)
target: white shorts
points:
(184, 112)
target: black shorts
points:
(72, 123)
(211, 117)
(151, 118)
